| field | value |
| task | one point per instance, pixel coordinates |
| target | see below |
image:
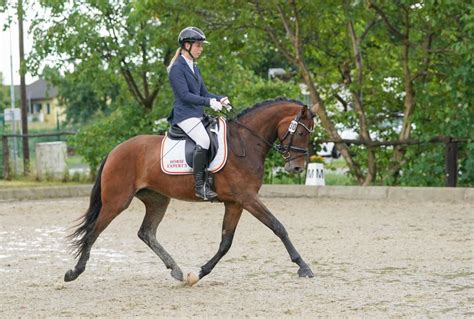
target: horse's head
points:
(294, 134)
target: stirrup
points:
(207, 194)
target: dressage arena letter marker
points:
(315, 174)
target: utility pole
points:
(12, 104)
(24, 109)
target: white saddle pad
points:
(173, 160)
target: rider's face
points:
(197, 48)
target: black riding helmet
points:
(191, 34)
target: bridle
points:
(284, 149)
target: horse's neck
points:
(265, 123)
(262, 125)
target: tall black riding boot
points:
(199, 167)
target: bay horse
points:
(132, 169)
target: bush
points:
(95, 141)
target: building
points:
(42, 103)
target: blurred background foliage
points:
(108, 60)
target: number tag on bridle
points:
(293, 126)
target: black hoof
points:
(177, 274)
(305, 272)
(70, 275)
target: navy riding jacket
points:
(190, 92)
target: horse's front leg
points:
(233, 211)
(261, 212)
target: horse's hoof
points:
(191, 279)
(177, 274)
(305, 272)
(70, 275)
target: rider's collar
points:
(190, 63)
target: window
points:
(48, 108)
(37, 108)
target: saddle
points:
(212, 127)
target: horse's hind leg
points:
(93, 228)
(156, 205)
(261, 212)
(233, 211)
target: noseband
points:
(284, 149)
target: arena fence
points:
(9, 141)
(450, 153)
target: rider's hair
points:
(176, 55)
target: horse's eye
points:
(300, 133)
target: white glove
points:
(226, 103)
(215, 105)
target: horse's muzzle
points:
(293, 169)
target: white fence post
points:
(51, 159)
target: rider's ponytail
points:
(176, 55)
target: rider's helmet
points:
(191, 34)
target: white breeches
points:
(196, 131)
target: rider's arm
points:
(203, 89)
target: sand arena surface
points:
(370, 259)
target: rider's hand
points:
(215, 105)
(226, 103)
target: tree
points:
(345, 56)
(3, 94)
(416, 33)
(294, 32)
(106, 56)
(82, 98)
(367, 65)
(116, 37)
(106, 52)
(445, 97)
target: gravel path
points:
(370, 258)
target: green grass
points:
(339, 163)
(336, 179)
(22, 182)
(19, 180)
(334, 175)
(74, 160)
(331, 178)
(286, 179)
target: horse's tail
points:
(83, 233)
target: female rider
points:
(190, 98)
